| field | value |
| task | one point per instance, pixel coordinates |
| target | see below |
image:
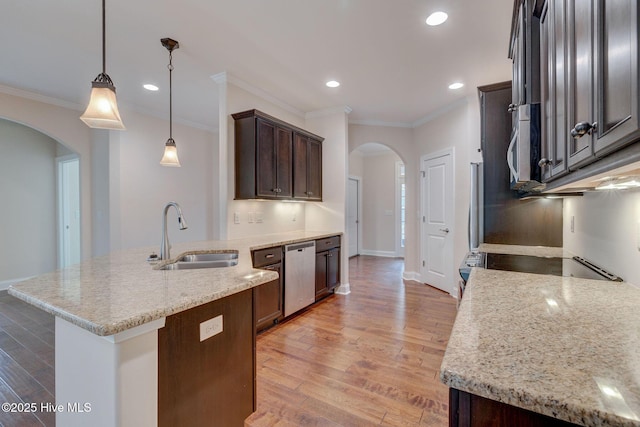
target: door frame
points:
(452, 229)
(400, 250)
(60, 186)
(359, 217)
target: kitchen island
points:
(108, 312)
(566, 348)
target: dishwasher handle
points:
(300, 246)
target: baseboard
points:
(343, 289)
(4, 285)
(386, 254)
(411, 275)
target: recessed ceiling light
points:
(333, 83)
(456, 85)
(150, 87)
(437, 18)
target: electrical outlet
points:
(251, 217)
(573, 224)
(210, 328)
(236, 218)
(259, 217)
(293, 217)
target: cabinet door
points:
(321, 274)
(300, 147)
(268, 300)
(333, 268)
(284, 159)
(580, 80)
(553, 39)
(616, 73)
(266, 173)
(314, 169)
(546, 110)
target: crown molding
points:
(342, 109)
(34, 96)
(226, 77)
(439, 112)
(380, 123)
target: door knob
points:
(444, 230)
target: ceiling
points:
(393, 68)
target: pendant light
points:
(170, 157)
(102, 111)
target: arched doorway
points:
(34, 170)
(377, 201)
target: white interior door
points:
(69, 211)
(437, 220)
(353, 216)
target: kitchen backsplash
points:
(604, 227)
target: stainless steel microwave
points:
(523, 153)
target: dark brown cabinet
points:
(589, 85)
(268, 298)
(470, 410)
(327, 266)
(269, 165)
(307, 167)
(208, 382)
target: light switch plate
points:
(236, 218)
(210, 328)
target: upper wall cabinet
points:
(307, 167)
(275, 160)
(589, 82)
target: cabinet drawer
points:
(328, 243)
(267, 256)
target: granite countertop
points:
(112, 293)
(564, 347)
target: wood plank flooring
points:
(368, 358)
(27, 337)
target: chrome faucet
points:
(165, 247)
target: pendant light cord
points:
(104, 39)
(170, 67)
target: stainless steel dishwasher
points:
(299, 276)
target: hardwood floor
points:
(26, 361)
(368, 358)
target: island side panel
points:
(210, 382)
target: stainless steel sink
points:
(206, 260)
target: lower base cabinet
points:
(210, 382)
(470, 410)
(269, 297)
(327, 266)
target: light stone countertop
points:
(112, 293)
(543, 251)
(564, 347)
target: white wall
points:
(400, 140)
(607, 230)
(379, 214)
(62, 123)
(28, 226)
(356, 164)
(458, 127)
(276, 216)
(142, 187)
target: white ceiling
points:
(393, 68)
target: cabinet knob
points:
(309, 193)
(544, 162)
(583, 128)
(512, 107)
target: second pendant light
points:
(170, 157)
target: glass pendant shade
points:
(102, 111)
(170, 157)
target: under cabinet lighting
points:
(332, 83)
(620, 183)
(456, 85)
(150, 87)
